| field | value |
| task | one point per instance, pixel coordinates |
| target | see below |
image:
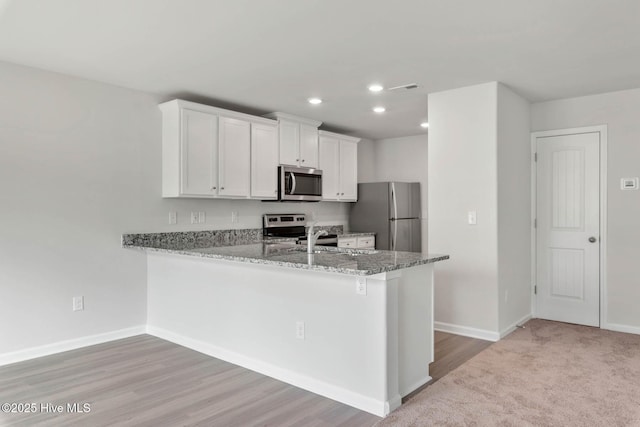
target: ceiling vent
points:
(407, 86)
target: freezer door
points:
(370, 213)
(405, 200)
(405, 235)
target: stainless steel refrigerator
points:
(392, 211)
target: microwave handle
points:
(293, 183)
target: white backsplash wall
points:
(80, 164)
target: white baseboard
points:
(415, 386)
(59, 347)
(621, 328)
(513, 326)
(466, 331)
(377, 407)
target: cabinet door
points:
(366, 242)
(289, 142)
(199, 154)
(348, 171)
(347, 242)
(264, 161)
(308, 146)
(235, 157)
(329, 160)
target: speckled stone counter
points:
(181, 240)
(287, 254)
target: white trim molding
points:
(467, 331)
(621, 328)
(61, 346)
(602, 129)
(506, 331)
(373, 406)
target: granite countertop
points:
(359, 262)
(248, 245)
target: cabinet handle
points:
(342, 194)
(337, 194)
(213, 188)
(222, 188)
(302, 160)
(297, 160)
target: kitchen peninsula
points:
(350, 324)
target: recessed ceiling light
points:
(315, 101)
(375, 88)
(424, 124)
(379, 109)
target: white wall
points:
(366, 160)
(620, 112)
(398, 159)
(80, 164)
(514, 209)
(462, 174)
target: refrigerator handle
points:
(395, 216)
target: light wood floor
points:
(145, 381)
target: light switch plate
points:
(173, 218)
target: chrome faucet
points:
(312, 238)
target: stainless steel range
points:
(293, 225)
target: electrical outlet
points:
(234, 216)
(173, 218)
(195, 218)
(300, 330)
(472, 217)
(202, 217)
(361, 285)
(78, 303)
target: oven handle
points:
(293, 183)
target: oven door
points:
(300, 184)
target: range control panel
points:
(284, 220)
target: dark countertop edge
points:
(430, 260)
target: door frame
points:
(603, 211)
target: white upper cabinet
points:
(298, 140)
(339, 163)
(235, 153)
(264, 161)
(198, 154)
(206, 151)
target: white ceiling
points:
(260, 56)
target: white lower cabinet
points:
(360, 242)
(207, 152)
(338, 159)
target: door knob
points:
(592, 239)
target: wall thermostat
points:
(629, 183)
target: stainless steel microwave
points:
(299, 184)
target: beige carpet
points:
(549, 374)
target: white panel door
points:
(264, 161)
(348, 171)
(568, 228)
(199, 153)
(235, 157)
(329, 160)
